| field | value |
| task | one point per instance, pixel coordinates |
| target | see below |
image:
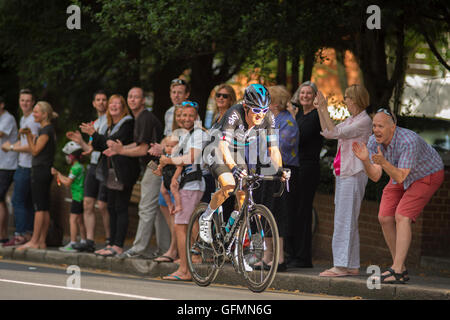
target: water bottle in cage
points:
(233, 217)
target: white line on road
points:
(132, 296)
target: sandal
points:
(110, 252)
(173, 277)
(333, 273)
(398, 277)
(163, 259)
(405, 275)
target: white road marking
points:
(132, 296)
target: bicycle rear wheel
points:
(200, 255)
(258, 248)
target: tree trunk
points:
(130, 71)
(202, 81)
(295, 70)
(308, 64)
(161, 86)
(342, 75)
(281, 68)
(370, 49)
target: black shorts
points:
(6, 178)
(219, 169)
(93, 188)
(76, 207)
(41, 180)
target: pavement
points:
(427, 283)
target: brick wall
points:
(431, 232)
(436, 222)
(60, 210)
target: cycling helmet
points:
(71, 147)
(256, 95)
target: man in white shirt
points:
(95, 192)
(192, 190)
(8, 164)
(21, 200)
(179, 92)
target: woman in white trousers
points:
(351, 179)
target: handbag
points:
(112, 182)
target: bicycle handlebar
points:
(269, 178)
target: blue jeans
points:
(22, 202)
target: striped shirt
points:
(407, 150)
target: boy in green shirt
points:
(75, 181)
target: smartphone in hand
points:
(152, 165)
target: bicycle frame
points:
(247, 206)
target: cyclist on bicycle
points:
(241, 129)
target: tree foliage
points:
(135, 42)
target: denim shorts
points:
(162, 201)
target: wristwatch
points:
(11, 147)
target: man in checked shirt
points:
(416, 171)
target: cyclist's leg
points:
(226, 180)
(227, 184)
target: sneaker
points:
(68, 248)
(128, 254)
(205, 230)
(88, 246)
(16, 241)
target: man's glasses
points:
(223, 95)
(259, 110)
(178, 81)
(25, 91)
(190, 104)
(387, 112)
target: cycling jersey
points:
(246, 143)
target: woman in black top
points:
(126, 169)
(299, 244)
(42, 148)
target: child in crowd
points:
(75, 181)
(171, 176)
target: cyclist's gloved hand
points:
(238, 172)
(285, 173)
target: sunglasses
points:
(223, 95)
(259, 110)
(387, 112)
(190, 104)
(178, 81)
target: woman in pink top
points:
(351, 179)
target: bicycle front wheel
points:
(200, 255)
(258, 248)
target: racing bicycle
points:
(252, 236)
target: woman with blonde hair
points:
(351, 178)
(224, 98)
(43, 151)
(120, 173)
(310, 143)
